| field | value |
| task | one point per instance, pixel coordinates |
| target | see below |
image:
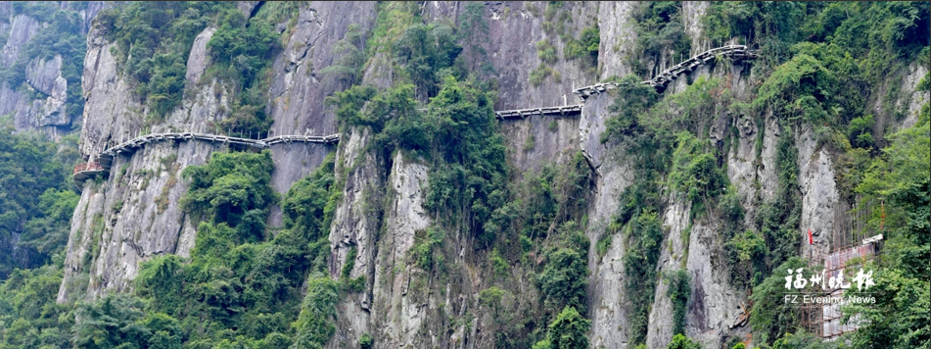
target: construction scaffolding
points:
(854, 242)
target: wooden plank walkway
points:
(553, 111)
(90, 170)
(663, 78)
(105, 159)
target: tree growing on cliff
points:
(473, 32)
(567, 331)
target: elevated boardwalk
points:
(552, 111)
(660, 80)
(83, 172)
(90, 170)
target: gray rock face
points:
(617, 37)
(297, 90)
(45, 77)
(607, 299)
(400, 311)
(134, 215)
(111, 113)
(673, 254)
(198, 59)
(692, 13)
(515, 28)
(140, 218)
(819, 195)
(713, 303)
(151, 223)
(47, 113)
(540, 140)
(297, 160)
(42, 74)
(914, 99)
(23, 29)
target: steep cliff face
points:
(35, 91)
(150, 180)
(134, 213)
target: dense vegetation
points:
(153, 41)
(245, 284)
(61, 35)
(824, 63)
(37, 198)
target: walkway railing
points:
(105, 158)
(554, 111)
(88, 170)
(660, 80)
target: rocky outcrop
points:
(400, 309)
(40, 103)
(22, 29)
(617, 37)
(713, 303)
(607, 299)
(913, 100)
(523, 22)
(692, 14)
(111, 112)
(140, 217)
(197, 60)
(540, 140)
(298, 90)
(673, 256)
(819, 195)
(45, 77)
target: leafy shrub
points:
(640, 270)
(563, 281)
(156, 63)
(695, 174)
(366, 341)
(241, 50)
(567, 331)
(770, 316)
(318, 312)
(659, 28)
(679, 293)
(680, 341)
(425, 252)
(586, 46)
(230, 185)
(546, 52)
(424, 50)
(633, 99)
(34, 168)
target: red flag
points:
(810, 240)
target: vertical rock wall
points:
(133, 215)
(39, 103)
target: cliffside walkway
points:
(663, 78)
(89, 170)
(523, 113)
(83, 172)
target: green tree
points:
(680, 341)
(564, 279)
(567, 331)
(318, 312)
(679, 293)
(473, 32)
(771, 316)
(110, 322)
